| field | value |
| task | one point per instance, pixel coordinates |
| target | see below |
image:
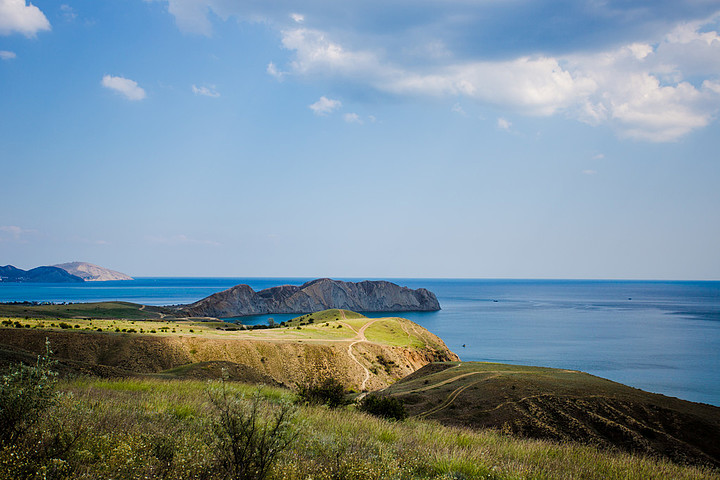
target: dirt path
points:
(360, 337)
(451, 398)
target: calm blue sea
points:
(660, 336)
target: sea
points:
(659, 336)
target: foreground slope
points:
(562, 405)
(363, 353)
(313, 296)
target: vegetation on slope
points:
(114, 310)
(150, 428)
(562, 405)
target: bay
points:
(660, 336)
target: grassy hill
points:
(468, 420)
(363, 353)
(562, 405)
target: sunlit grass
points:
(127, 422)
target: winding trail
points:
(360, 337)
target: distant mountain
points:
(92, 273)
(8, 273)
(321, 294)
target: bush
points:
(386, 407)
(328, 392)
(25, 393)
(249, 434)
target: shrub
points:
(386, 407)
(249, 433)
(25, 393)
(328, 392)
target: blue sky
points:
(454, 138)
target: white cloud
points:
(599, 156)
(15, 233)
(639, 89)
(658, 87)
(126, 87)
(589, 172)
(68, 12)
(272, 70)
(206, 91)
(6, 55)
(457, 108)
(352, 118)
(325, 106)
(503, 123)
(18, 17)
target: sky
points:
(362, 139)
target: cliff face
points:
(321, 294)
(8, 273)
(92, 273)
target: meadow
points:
(150, 428)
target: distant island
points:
(74, 272)
(320, 294)
(92, 273)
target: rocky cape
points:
(320, 294)
(92, 273)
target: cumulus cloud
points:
(325, 106)
(589, 172)
(6, 55)
(206, 91)
(660, 84)
(18, 17)
(124, 86)
(638, 89)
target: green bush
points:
(249, 433)
(25, 393)
(386, 407)
(328, 392)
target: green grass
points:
(125, 422)
(393, 331)
(83, 310)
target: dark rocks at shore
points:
(321, 294)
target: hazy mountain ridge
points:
(11, 274)
(73, 272)
(320, 294)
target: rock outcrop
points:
(8, 273)
(321, 294)
(92, 273)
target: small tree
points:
(249, 433)
(25, 393)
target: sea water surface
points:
(660, 336)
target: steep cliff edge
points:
(321, 294)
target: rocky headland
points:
(320, 294)
(92, 273)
